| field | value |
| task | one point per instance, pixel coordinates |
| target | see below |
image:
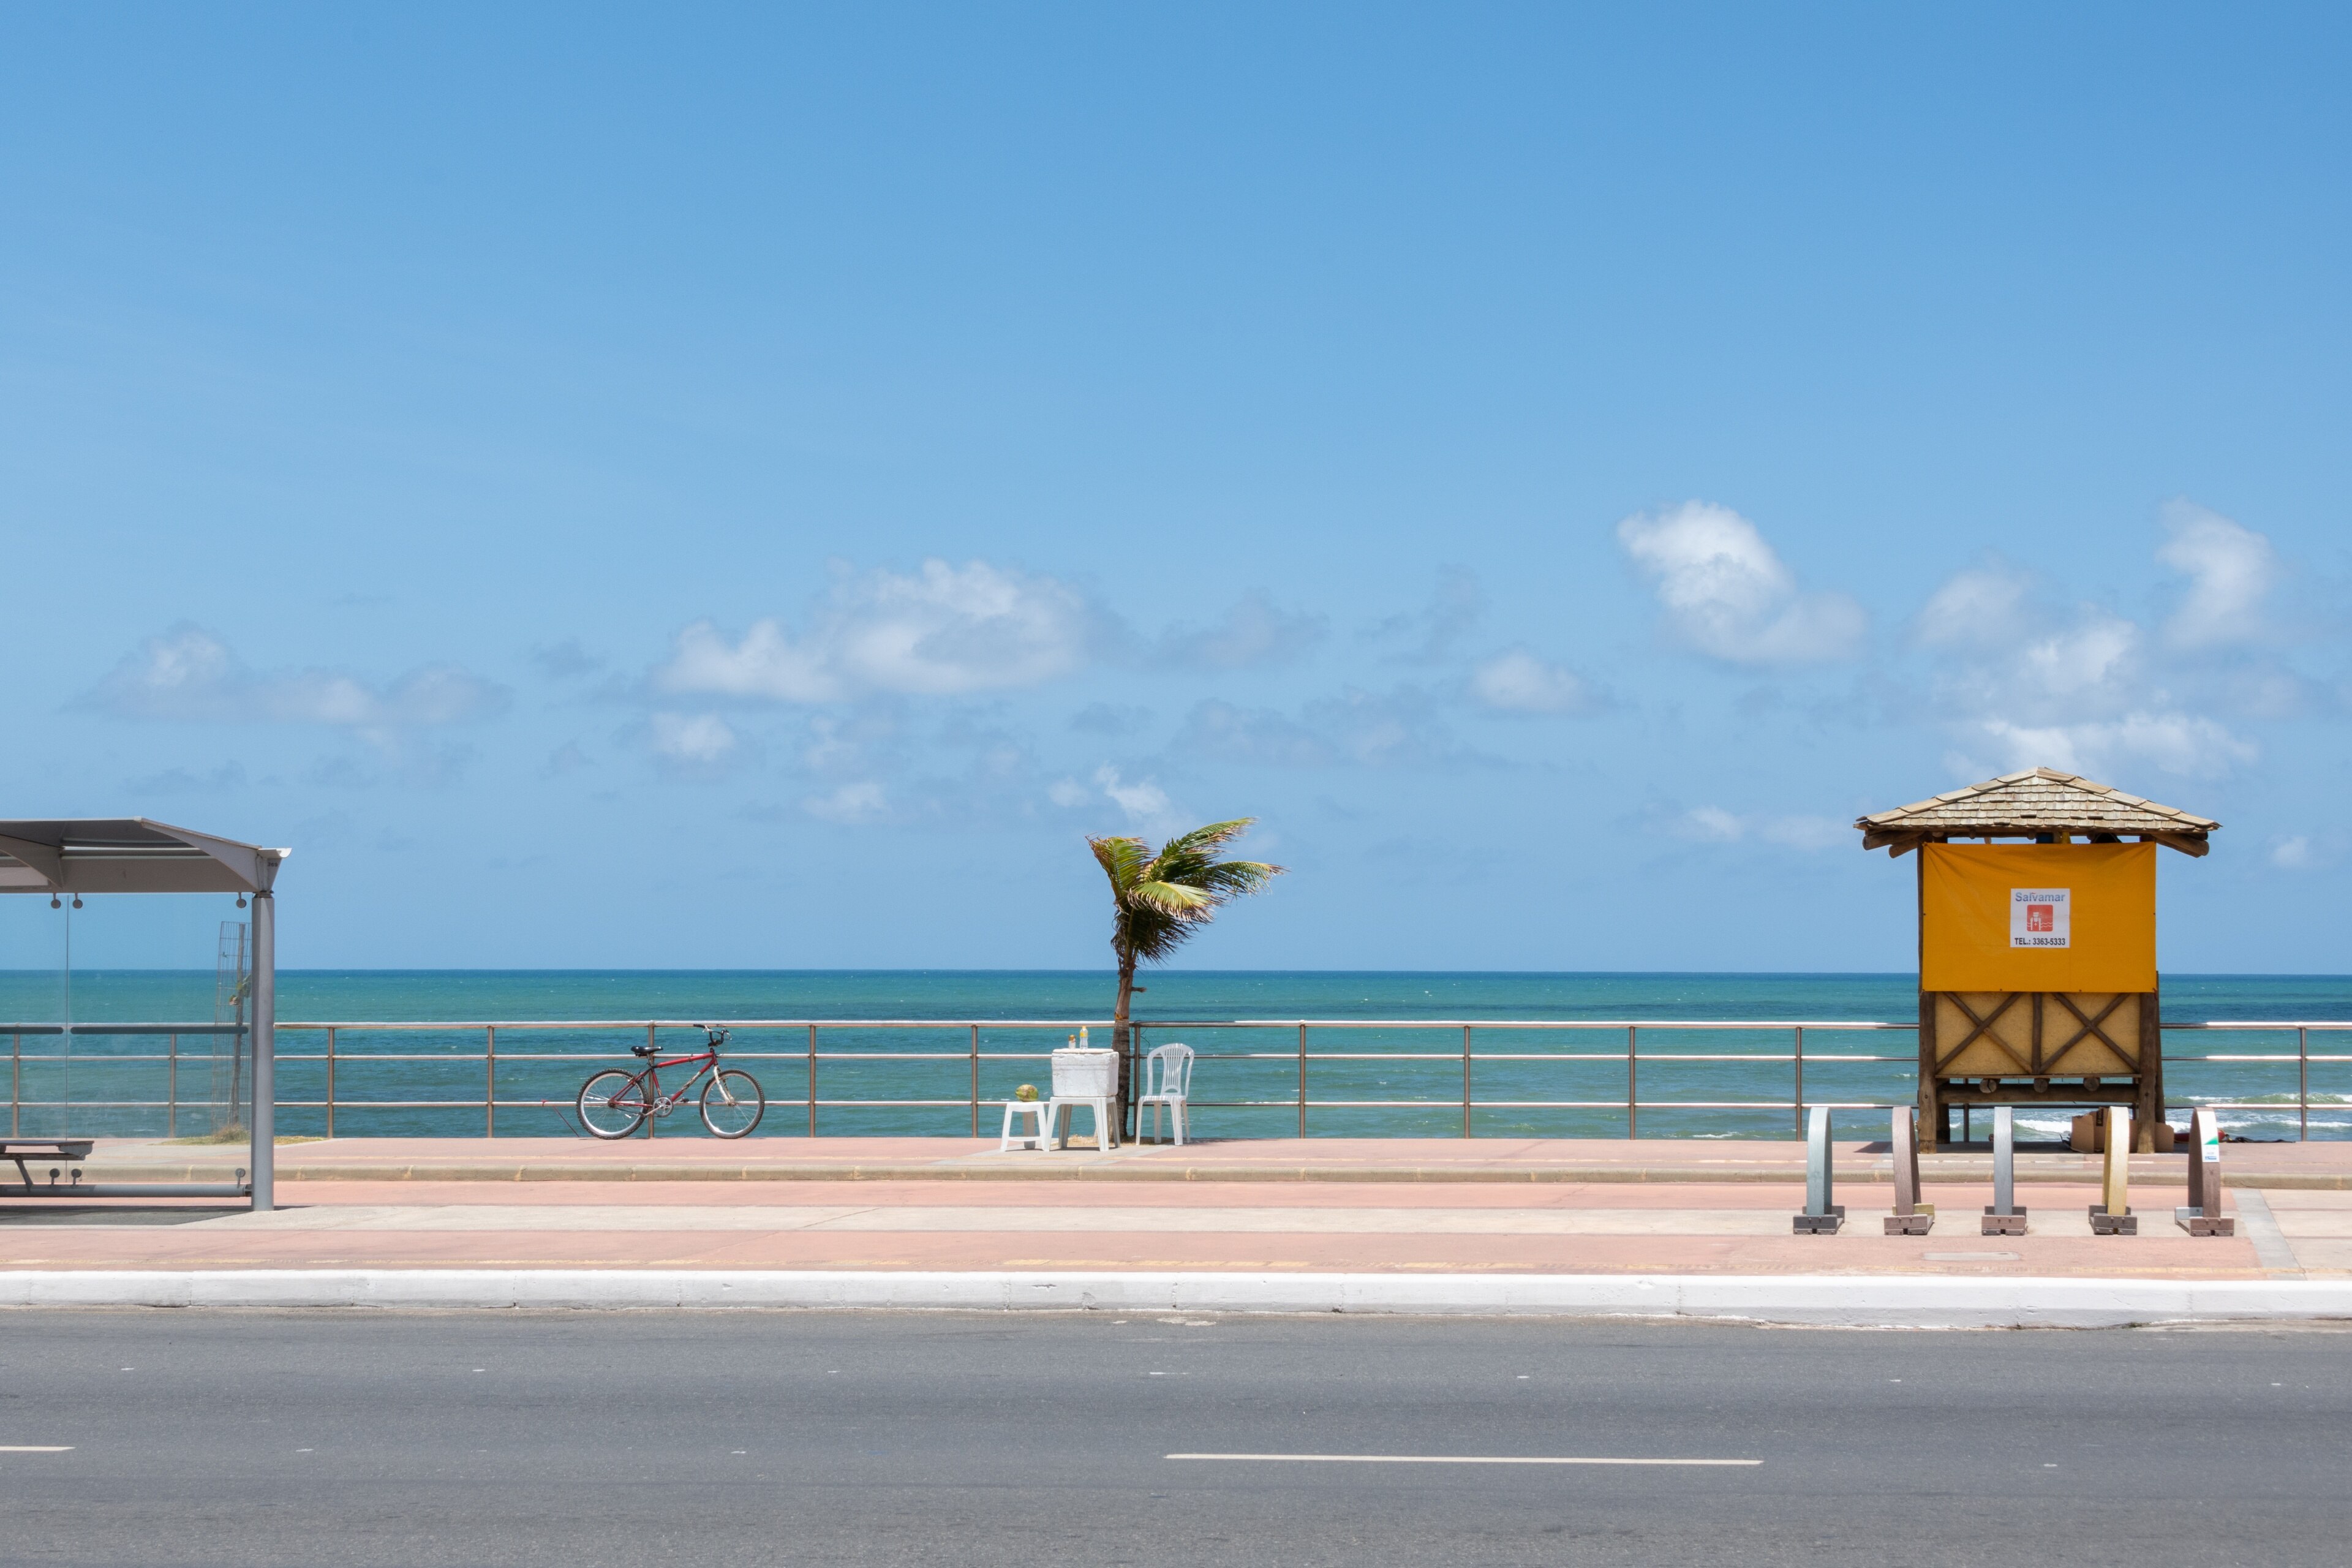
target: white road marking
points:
(1452, 1460)
(36, 1447)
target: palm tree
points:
(1160, 900)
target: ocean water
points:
(1400, 1080)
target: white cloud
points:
(1144, 802)
(852, 804)
(2087, 695)
(2292, 853)
(189, 674)
(1984, 606)
(2092, 658)
(2180, 743)
(1728, 594)
(1713, 825)
(697, 739)
(945, 631)
(1253, 634)
(2231, 570)
(1519, 682)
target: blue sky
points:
(700, 487)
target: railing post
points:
(1465, 1080)
(490, 1085)
(1302, 1080)
(15, 1081)
(172, 1086)
(1801, 1080)
(812, 1077)
(331, 1083)
(975, 1080)
(2302, 1083)
(1633, 1082)
(650, 1117)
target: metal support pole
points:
(16, 1081)
(975, 1080)
(2112, 1215)
(1633, 1083)
(811, 1081)
(265, 1052)
(1801, 1080)
(331, 1083)
(1821, 1216)
(2203, 1214)
(1911, 1217)
(1465, 1080)
(2302, 1084)
(2004, 1218)
(1302, 1080)
(172, 1085)
(490, 1084)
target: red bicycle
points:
(615, 1103)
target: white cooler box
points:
(1082, 1073)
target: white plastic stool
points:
(1057, 1110)
(1036, 1109)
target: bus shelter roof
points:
(128, 855)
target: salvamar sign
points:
(2039, 917)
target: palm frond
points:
(1160, 899)
(1175, 898)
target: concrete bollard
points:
(2112, 1216)
(1911, 1217)
(2004, 1218)
(2203, 1214)
(1821, 1217)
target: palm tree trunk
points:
(1122, 1033)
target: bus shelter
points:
(67, 859)
(2037, 944)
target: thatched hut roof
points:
(2039, 804)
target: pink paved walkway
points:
(1453, 1206)
(1400, 1159)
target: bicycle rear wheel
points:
(732, 1104)
(613, 1104)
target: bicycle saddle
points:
(648, 1052)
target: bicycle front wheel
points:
(732, 1104)
(613, 1104)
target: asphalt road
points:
(315, 1438)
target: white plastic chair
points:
(1167, 1081)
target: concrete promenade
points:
(1330, 1209)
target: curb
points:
(1841, 1300)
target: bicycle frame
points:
(649, 1080)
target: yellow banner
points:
(2037, 917)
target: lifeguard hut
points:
(2037, 944)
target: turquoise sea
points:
(1245, 1084)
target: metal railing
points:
(810, 1058)
(2302, 1059)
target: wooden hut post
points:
(1933, 1134)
